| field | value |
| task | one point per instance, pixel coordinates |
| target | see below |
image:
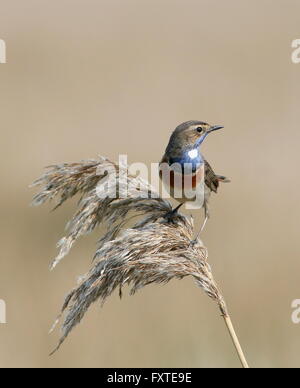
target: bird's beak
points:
(215, 128)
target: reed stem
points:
(235, 340)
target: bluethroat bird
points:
(186, 175)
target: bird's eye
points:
(199, 129)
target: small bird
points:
(187, 176)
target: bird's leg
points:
(170, 215)
(206, 214)
(203, 226)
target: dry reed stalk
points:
(153, 250)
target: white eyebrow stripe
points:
(193, 154)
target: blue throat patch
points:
(186, 159)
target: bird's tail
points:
(223, 179)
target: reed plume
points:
(152, 250)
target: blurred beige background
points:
(87, 77)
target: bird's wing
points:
(211, 179)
